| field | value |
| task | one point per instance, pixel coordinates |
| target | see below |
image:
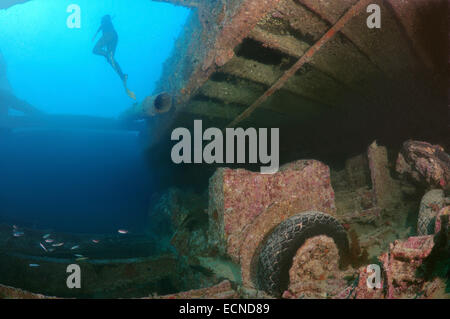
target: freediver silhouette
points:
(106, 46)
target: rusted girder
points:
(5, 4)
(352, 12)
(184, 3)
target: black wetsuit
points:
(107, 44)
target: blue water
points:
(74, 181)
(53, 68)
(80, 180)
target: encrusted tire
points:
(430, 205)
(278, 249)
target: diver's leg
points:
(111, 50)
(111, 47)
(98, 49)
(115, 65)
(119, 70)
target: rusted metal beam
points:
(308, 85)
(5, 4)
(352, 12)
(184, 3)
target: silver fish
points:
(43, 247)
(75, 247)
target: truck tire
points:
(430, 205)
(278, 249)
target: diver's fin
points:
(131, 94)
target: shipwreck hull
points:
(314, 69)
(311, 68)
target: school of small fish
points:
(43, 247)
(47, 240)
